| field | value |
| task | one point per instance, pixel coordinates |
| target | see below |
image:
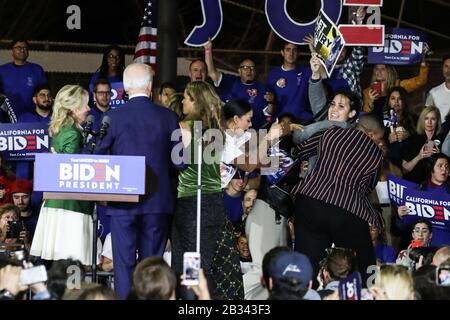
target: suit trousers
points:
(318, 225)
(144, 234)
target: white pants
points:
(263, 233)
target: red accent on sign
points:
(363, 3)
(362, 35)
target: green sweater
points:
(187, 179)
(69, 140)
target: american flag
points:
(145, 51)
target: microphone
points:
(106, 121)
(88, 128)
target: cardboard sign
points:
(328, 42)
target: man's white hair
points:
(137, 76)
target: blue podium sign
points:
(80, 173)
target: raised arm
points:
(213, 73)
(316, 90)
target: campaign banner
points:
(81, 173)
(401, 47)
(432, 206)
(118, 95)
(22, 141)
(328, 42)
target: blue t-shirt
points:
(31, 221)
(18, 83)
(34, 117)
(291, 91)
(234, 207)
(25, 169)
(98, 115)
(231, 87)
(385, 253)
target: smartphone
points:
(416, 244)
(443, 275)
(376, 86)
(33, 275)
(429, 145)
(350, 287)
(191, 267)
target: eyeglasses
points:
(20, 48)
(251, 68)
(103, 93)
(113, 56)
(43, 96)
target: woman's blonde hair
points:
(421, 122)
(396, 282)
(68, 99)
(391, 80)
(207, 104)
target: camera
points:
(15, 227)
(426, 252)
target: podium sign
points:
(90, 175)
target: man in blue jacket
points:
(141, 128)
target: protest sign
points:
(328, 42)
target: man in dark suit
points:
(140, 128)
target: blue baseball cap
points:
(291, 265)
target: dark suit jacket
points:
(142, 128)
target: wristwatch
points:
(5, 294)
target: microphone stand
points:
(95, 212)
(94, 243)
(94, 218)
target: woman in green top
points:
(219, 258)
(64, 228)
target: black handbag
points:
(278, 195)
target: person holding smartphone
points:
(384, 77)
(421, 237)
(422, 145)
